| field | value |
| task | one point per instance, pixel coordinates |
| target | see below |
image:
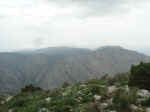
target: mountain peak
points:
(111, 47)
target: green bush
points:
(65, 85)
(98, 89)
(30, 88)
(122, 98)
(140, 76)
(20, 102)
(119, 79)
(91, 107)
(146, 102)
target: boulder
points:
(143, 93)
(133, 107)
(112, 111)
(10, 110)
(148, 110)
(103, 105)
(111, 89)
(2, 102)
(48, 99)
(97, 97)
(127, 89)
(44, 110)
(9, 98)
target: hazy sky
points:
(78, 23)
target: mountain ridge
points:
(51, 67)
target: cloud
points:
(101, 7)
(38, 42)
(81, 23)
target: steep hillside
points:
(108, 94)
(51, 67)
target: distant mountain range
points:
(51, 67)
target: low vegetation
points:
(121, 93)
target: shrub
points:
(91, 107)
(65, 84)
(146, 102)
(19, 102)
(122, 99)
(100, 81)
(121, 79)
(98, 89)
(140, 76)
(30, 88)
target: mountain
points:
(51, 67)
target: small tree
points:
(30, 88)
(65, 84)
(140, 76)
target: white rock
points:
(97, 97)
(10, 110)
(9, 98)
(139, 100)
(148, 110)
(111, 89)
(127, 88)
(65, 94)
(48, 99)
(2, 102)
(82, 85)
(143, 93)
(112, 111)
(43, 110)
(110, 101)
(104, 105)
(79, 92)
(102, 86)
(133, 107)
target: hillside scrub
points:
(107, 94)
(140, 76)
